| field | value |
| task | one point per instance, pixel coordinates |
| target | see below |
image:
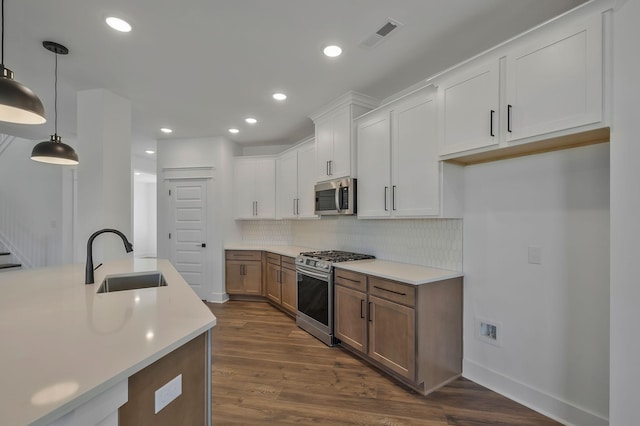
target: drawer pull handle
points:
(390, 291)
(349, 279)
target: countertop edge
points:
(377, 273)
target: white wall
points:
(31, 205)
(104, 173)
(218, 153)
(625, 225)
(145, 214)
(554, 317)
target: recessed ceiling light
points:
(137, 173)
(166, 130)
(279, 96)
(332, 51)
(251, 120)
(118, 24)
(150, 151)
(234, 131)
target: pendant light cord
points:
(55, 99)
(2, 53)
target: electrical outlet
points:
(535, 255)
(489, 331)
(168, 393)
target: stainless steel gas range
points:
(315, 290)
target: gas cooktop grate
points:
(336, 255)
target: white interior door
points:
(188, 233)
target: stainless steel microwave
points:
(336, 197)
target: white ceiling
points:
(202, 66)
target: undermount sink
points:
(134, 281)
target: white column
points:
(624, 398)
(104, 173)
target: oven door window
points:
(313, 298)
(326, 200)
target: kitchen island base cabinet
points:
(189, 408)
(412, 332)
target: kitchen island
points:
(69, 352)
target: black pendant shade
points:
(18, 103)
(54, 151)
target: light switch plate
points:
(168, 393)
(535, 255)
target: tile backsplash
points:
(427, 242)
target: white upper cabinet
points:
(255, 188)
(374, 164)
(415, 158)
(295, 178)
(544, 85)
(469, 101)
(555, 81)
(287, 185)
(306, 204)
(335, 151)
(400, 173)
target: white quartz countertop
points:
(62, 344)
(403, 272)
(291, 251)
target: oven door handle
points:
(320, 276)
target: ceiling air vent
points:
(381, 34)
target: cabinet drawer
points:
(243, 255)
(350, 279)
(391, 290)
(288, 262)
(273, 258)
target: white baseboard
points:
(218, 298)
(544, 403)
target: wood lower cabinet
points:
(350, 320)
(274, 291)
(281, 282)
(243, 272)
(289, 288)
(414, 332)
(392, 330)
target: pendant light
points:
(54, 151)
(18, 103)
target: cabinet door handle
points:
(509, 118)
(393, 197)
(330, 167)
(297, 206)
(327, 166)
(362, 308)
(386, 190)
(369, 312)
(294, 206)
(491, 122)
(256, 208)
(241, 269)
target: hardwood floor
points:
(268, 371)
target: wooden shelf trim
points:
(589, 137)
